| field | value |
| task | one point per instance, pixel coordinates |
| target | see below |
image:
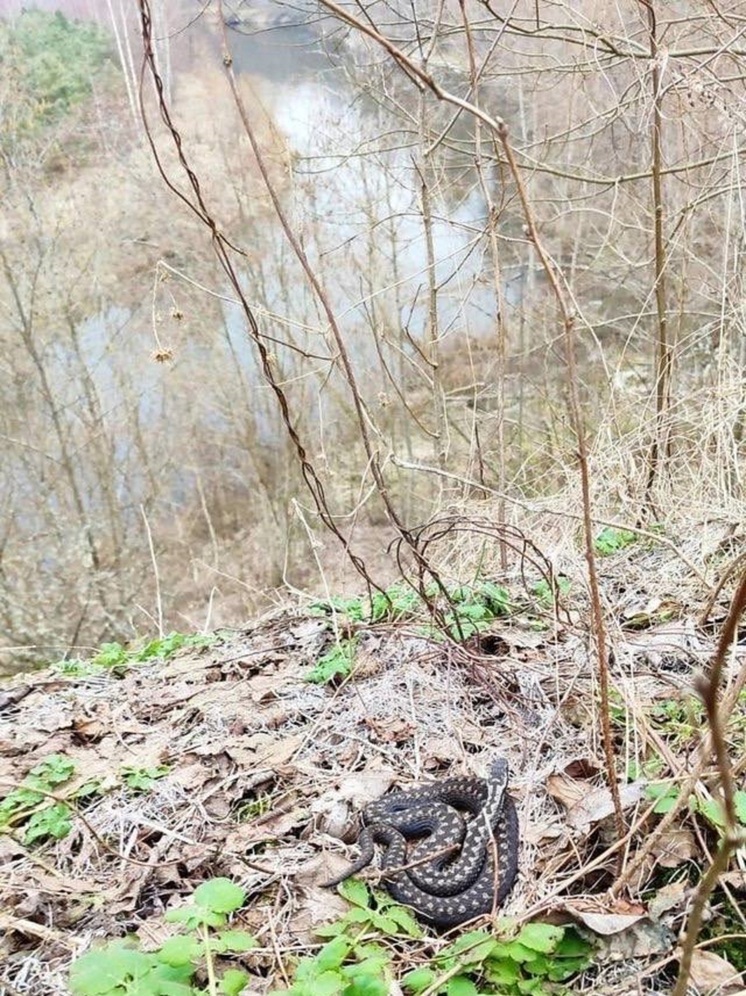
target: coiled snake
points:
(443, 888)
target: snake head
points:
(499, 772)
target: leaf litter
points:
(260, 776)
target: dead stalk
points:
(658, 448)
(708, 687)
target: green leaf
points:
(367, 985)
(355, 892)
(534, 987)
(558, 971)
(666, 794)
(53, 770)
(713, 812)
(502, 972)
(543, 590)
(609, 540)
(470, 948)
(572, 945)
(167, 980)
(110, 655)
(405, 920)
(180, 950)
(418, 979)
(543, 937)
(337, 661)
(236, 941)
(739, 799)
(219, 895)
(497, 597)
(519, 952)
(233, 982)
(333, 953)
(89, 788)
(666, 803)
(351, 607)
(461, 985)
(327, 984)
(539, 966)
(384, 923)
(370, 951)
(195, 916)
(142, 779)
(20, 798)
(369, 970)
(473, 611)
(52, 821)
(102, 970)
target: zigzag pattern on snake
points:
(444, 888)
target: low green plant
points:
(371, 909)
(353, 608)
(396, 602)
(116, 657)
(610, 539)
(543, 593)
(335, 663)
(471, 608)
(399, 602)
(142, 779)
(348, 965)
(666, 795)
(532, 962)
(474, 606)
(29, 805)
(121, 967)
(713, 811)
(679, 720)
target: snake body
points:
(443, 888)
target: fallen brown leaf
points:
(668, 897)
(566, 790)
(675, 846)
(711, 973)
(598, 804)
(391, 730)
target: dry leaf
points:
(269, 828)
(391, 730)
(710, 973)
(640, 940)
(735, 879)
(566, 790)
(605, 918)
(335, 820)
(604, 923)
(624, 932)
(263, 687)
(599, 804)
(668, 897)
(367, 664)
(675, 846)
(317, 907)
(444, 748)
(279, 751)
(361, 787)
(539, 830)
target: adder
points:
(443, 888)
